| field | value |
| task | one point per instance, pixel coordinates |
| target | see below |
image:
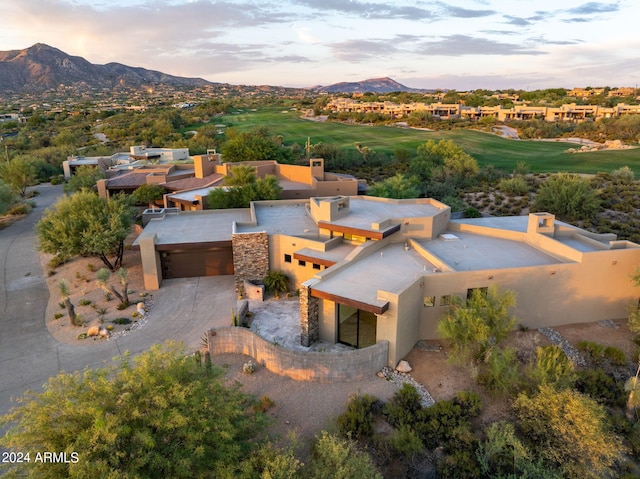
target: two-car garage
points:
(213, 260)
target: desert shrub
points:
(121, 321)
(340, 459)
(516, 186)
(19, 209)
(469, 402)
(123, 305)
(436, 425)
(597, 384)
(405, 442)
(460, 459)
(501, 373)
(552, 366)
(403, 406)
(615, 355)
(264, 404)
(624, 174)
(569, 431)
(84, 302)
(472, 213)
(601, 355)
(357, 420)
(58, 315)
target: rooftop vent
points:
(448, 237)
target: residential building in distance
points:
(372, 269)
(568, 113)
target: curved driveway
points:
(184, 309)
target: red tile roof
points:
(191, 183)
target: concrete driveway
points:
(183, 310)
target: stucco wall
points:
(313, 366)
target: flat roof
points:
(195, 226)
(333, 255)
(473, 252)
(390, 269)
(511, 223)
(190, 195)
(293, 185)
(363, 211)
(289, 217)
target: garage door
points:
(206, 262)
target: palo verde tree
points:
(160, 414)
(398, 186)
(473, 326)
(18, 173)
(244, 187)
(83, 224)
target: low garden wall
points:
(313, 366)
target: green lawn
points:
(488, 149)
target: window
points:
(287, 258)
(445, 300)
(429, 301)
(482, 291)
(302, 263)
(316, 266)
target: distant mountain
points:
(42, 67)
(373, 85)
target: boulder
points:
(403, 367)
(93, 331)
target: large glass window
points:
(356, 327)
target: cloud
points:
(459, 12)
(362, 50)
(591, 8)
(368, 9)
(458, 45)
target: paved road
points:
(184, 309)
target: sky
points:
(461, 44)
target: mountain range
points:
(373, 85)
(42, 67)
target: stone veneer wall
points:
(323, 367)
(309, 316)
(250, 257)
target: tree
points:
(83, 224)
(398, 186)
(65, 294)
(443, 160)
(7, 197)
(568, 196)
(244, 188)
(18, 173)
(256, 145)
(83, 178)
(475, 325)
(339, 459)
(569, 431)
(147, 194)
(160, 414)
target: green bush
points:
(472, 213)
(84, 302)
(56, 261)
(598, 385)
(121, 321)
(405, 442)
(357, 420)
(436, 425)
(516, 186)
(20, 209)
(469, 402)
(403, 406)
(501, 374)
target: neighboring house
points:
(137, 156)
(297, 182)
(372, 269)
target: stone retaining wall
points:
(312, 366)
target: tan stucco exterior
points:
(403, 259)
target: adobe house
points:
(371, 269)
(296, 181)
